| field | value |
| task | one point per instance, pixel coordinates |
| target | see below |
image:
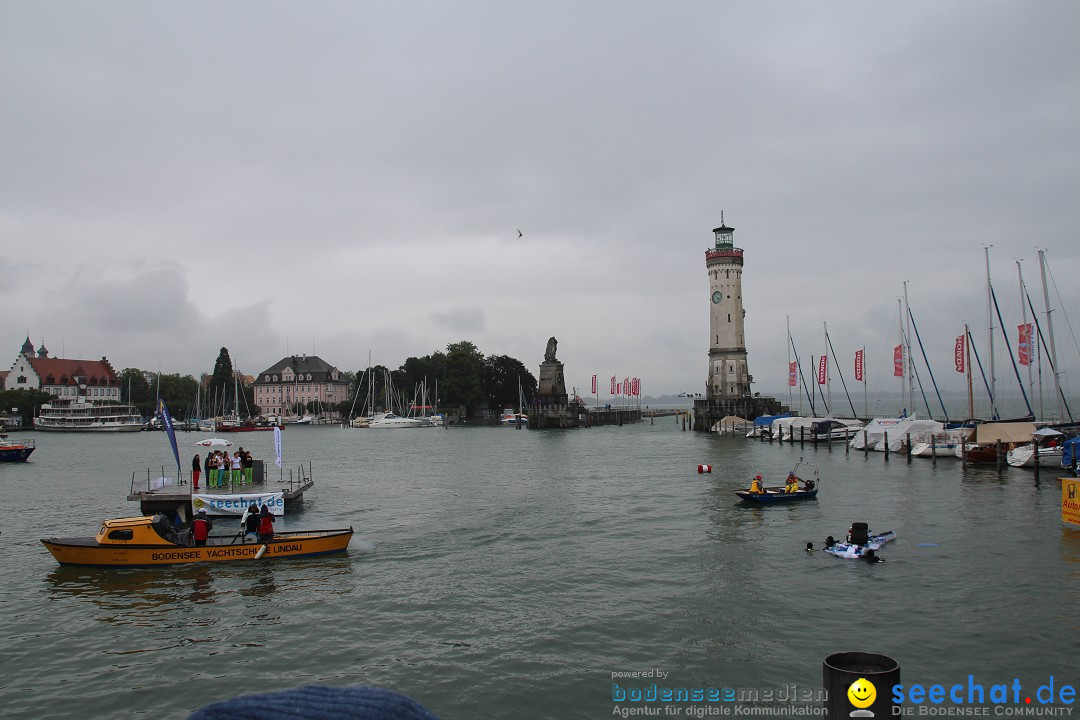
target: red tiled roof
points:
(94, 372)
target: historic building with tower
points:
(727, 389)
(95, 380)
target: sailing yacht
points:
(389, 421)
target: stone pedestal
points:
(552, 385)
(550, 407)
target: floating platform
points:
(158, 492)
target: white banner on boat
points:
(237, 504)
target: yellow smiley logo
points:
(862, 693)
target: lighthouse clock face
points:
(717, 297)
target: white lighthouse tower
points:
(729, 379)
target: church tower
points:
(729, 378)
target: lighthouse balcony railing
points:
(724, 253)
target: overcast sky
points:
(350, 177)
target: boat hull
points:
(93, 428)
(775, 495)
(87, 551)
(247, 428)
(15, 453)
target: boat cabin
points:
(134, 531)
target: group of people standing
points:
(222, 470)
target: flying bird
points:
(519, 233)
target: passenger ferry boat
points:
(79, 415)
(138, 542)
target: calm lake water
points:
(498, 573)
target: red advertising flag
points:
(793, 374)
(618, 388)
(637, 387)
(822, 369)
(1023, 350)
(858, 365)
(898, 361)
(612, 384)
(958, 354)
(594, 384)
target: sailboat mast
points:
(909, 371)
(1050, 336)
(903, 360)
(865, 398)
(967, 364)
(1027, 331)
(788, 321)
(828, 385)
(990, 335)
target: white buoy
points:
(260, 553)
(704, 469)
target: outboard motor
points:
(859, 534)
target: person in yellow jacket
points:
(755, 485)
(792, 483)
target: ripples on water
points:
(507, 573)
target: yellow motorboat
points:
(131, 542)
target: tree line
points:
(466, 379)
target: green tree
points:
(179, 392)
(24, 403)
(416, 373)
(136, 388)
(463, 383)
(222, 383)
(501, 375)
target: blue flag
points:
(167, 422)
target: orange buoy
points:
(704, 469)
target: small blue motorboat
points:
(775, 494)
(805, 489)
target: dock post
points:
(909, 446)
(847, 442)
(865, 439)
(802, 436)
(1035, 447)
(885, 440)
(933, 447)
(997, 454)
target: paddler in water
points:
(755, 485)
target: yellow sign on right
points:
(1070, 501)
